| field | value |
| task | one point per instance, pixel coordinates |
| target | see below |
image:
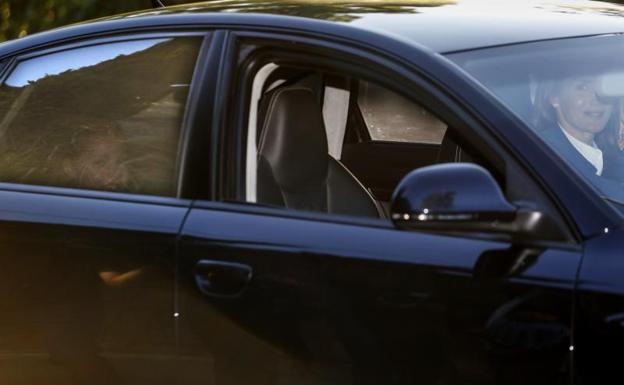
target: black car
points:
(228, 192)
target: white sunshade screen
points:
(252, 146)
(335, 113)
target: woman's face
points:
(579, 107)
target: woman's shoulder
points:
(551, 133)
(614, 165)
(555, 137)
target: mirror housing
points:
(455, 197)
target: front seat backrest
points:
(451, 152)
(294, 167)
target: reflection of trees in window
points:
(133, 102)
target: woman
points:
(573, 117)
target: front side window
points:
(102, 117)
(571, 92)
(290, 162)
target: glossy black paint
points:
(196, 176)
(87, 287)
(222, 279)
(364, 304)
(599, 326)
(453, 192)
(467, 24)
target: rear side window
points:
(102, 117)
(390, 117)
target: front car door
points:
(89, 214)
(270, 294)
(516, 71)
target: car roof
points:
(441, 25)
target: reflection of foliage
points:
(599, 8)
(21, 17)
(59, 121)
(335, 10)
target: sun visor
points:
(611, 85)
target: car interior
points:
(330, 143)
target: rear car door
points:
(270, 294)
(89, 209)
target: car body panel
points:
(410, 20)
(413, 307)
(463, 20)
(88, 288)
(407, 307)
(599, 331)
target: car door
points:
(89, 209)
(272, 295)
(599, 318)
(364, 304)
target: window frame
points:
(4, 65)
(258, 47)
(185, 128)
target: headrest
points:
(293, 139)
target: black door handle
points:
(404, 301)
(221, 279)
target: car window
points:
(393, 118)
(288, 163)
(291, 154)
(571, 93)
(102, 117)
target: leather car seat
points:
(294, 167)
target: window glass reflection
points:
(49, 65)
(104, 117)
(571, 93)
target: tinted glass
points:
(103, 117)
(391, 117)
(571, 93)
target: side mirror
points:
(456, 197)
